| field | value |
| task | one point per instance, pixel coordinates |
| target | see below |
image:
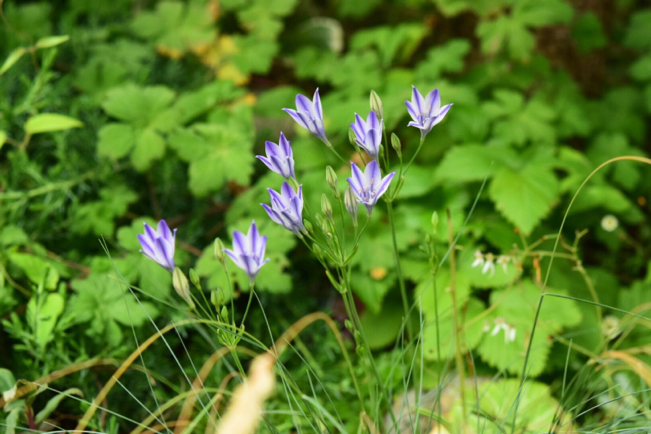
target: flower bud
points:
(182, 286)
(351, 204)
(435, 222)
(293, 183)
(224, 314)
(217, 297)
(318, 252)
(360, 350)
(396, 145)
(326, 208)
(194, 278)
(331, 178)
(348, 324)
(351, 137)
(308, 226)
(376, 105)
(219, 250)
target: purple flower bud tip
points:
(426, 112)
(369, 185)
(248, 251)
(158, 245)
(279, 157)
(368, 134)
(287, 208)
(309, 115)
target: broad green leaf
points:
(392, 43)
(150, 147)
(446, 58)
(13, 57)
(7, 380)
(44, 311)
(51, 41)
(472, 162)
(36, 269)
(369, 290)
(46, 122)
(524, 197)
(418, 182)
(115, 140)
(98, 217)
(137, 105)
(217, 154)
(381, 329)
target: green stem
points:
(401, 278)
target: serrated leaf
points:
(48, 122)
(216, 153)
(137, 105)
(472, 162)
(446, 58)
(524, 197)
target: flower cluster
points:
(487, 262)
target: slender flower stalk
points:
(158, 245)
(369, 185)
(287, 208)
(368, 134)
(280, 158)
(248, 251)
(426, 112)
(309, 115)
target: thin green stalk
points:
(401, 278)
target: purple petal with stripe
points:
(294, 114)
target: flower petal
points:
(433, 101)
(239, 243)
(304, 105)
(384, 184)
(372, 175)
(412, 111)
(294, 114)
(418, 101)
(284, 145)
(317, 104)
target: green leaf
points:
(115, 140)
(588, 33)
(524, 197)
(13, 57)
(44, 311)
(54, 402)
(637, 33)
(36, 269)
(445, 58)
(150, 147)
(381, 329)
(641, 69)
(472, 162)
(51, 41)
(217, 153)
(137, 105)
(393, 43)
(99, 216)
(47, 122)
(3, 138)
(371, 291)
(7, 380)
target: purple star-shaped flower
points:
(248, 251)
(158, 245)
(287, 208)
(369, 185)
(368, 134)
(309, 115)
(426, 112)
(279, 157)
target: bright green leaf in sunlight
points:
(104, 303)
(43, 312)
(393, 43)
(47, 122)
(524, 197)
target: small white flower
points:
(609, 223)
(509, 331)
(489, 264)
(503, 261)
(479, 259)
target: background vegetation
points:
(118, 112)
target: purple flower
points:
(279, 157)
(158, 245)
(309, 115)
(369, 186)
(426, 112)
(248, 251)
(287, 208)
(368, 133)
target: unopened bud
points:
(308, 226)
(396, 145)
(331, 178)
(360, 350)
(351, 137)
(217, 297)
(194, 278)
(358, 337)
(326, 208)
(435, 222)
(349, 324)
(182, 286)
(351, 204)
(219, 250)
(317, 251)
(319, 220)
(293, 183)
(224, 314)
(376, 105)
